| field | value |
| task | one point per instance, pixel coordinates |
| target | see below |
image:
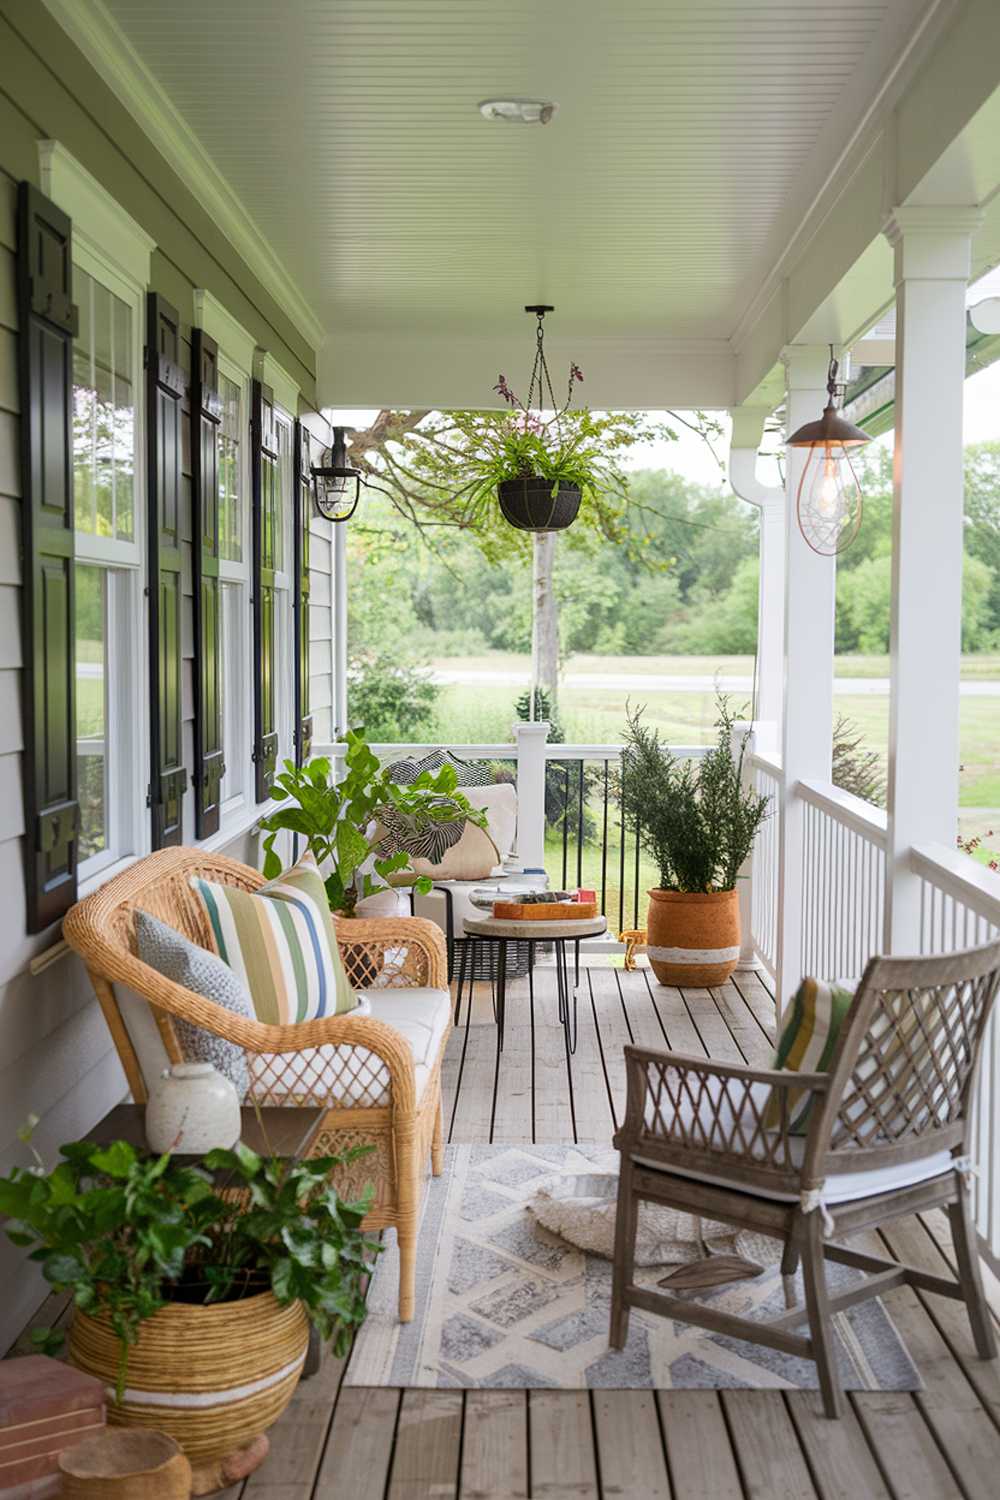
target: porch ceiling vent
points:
(338, 482)
(518, 111)
(829, 501)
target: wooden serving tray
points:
(544, 911)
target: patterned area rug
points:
(502, 1302)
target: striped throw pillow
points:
(807, 1043)
(280, 941)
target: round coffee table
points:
(558, 933)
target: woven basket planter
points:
(215, 1378)
(530, 505)
(693, 937)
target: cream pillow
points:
(473, 858)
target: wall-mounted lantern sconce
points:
(829, 499)
(337, 482)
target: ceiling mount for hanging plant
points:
(541, 491)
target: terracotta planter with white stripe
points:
(693, 937)
(214, 1378)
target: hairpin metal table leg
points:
(501, 991)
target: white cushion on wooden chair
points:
(839, 1187)
(355, 1076)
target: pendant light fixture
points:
(829, 501)
(338, 483)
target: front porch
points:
(387, 1444)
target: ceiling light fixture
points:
(518, 111)
(829, 500)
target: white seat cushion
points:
(356, 1076)
(709, 1132)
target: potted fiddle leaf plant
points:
(698, 822)
(341, 819)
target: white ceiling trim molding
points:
(438, 371)
(97, 217)
(220, 325)
(285, 389)
(864, 139)
(101, 40)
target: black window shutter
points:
(47, 323)
(165, 386)
(206, 415)
(264, 497)
(302, 513)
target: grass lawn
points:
(484, 713)
(982, 665)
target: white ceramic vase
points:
(192, 1108)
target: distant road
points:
(856, 687)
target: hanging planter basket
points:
(530, 504)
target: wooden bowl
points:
(126, 1463)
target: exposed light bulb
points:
(829, 500)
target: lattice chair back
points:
(698, 1114)
(901, 1081)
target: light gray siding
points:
(56, 1060)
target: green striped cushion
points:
(807, 1043)
(280, 941)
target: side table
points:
(558, 933)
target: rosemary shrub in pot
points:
(698, 822)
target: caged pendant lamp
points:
(829, 500)
(337, 481)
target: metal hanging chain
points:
(540, 377)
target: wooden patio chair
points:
(887, 1134)
(366, 1076)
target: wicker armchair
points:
(888, 1134)
(369, 1083)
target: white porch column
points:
(932, 250)
(807, 726)
(748, 428)
(531, 741)
(339, 630)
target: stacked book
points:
(45, 1407)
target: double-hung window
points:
(284, 626)
(110, 276)
(236, 354)
(286, 399)
(234, 580)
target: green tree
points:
(865, 594)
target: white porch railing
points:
(765, 776)
(568, 791)
(960, 907)
(843, 881)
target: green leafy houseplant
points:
(696, 819)
(580, 451)
(128, 1233)
(340, 819)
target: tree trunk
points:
(544, 616)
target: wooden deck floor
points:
(379, 1444)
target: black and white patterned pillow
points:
(171, 954)
(469, 772)
(430, 843)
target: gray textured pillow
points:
(172, 955)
